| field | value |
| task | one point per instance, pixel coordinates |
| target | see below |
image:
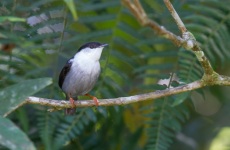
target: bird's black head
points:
(91, 45)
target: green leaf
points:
(11, 19)
(12, 137)
(179, 98)
(72, 8)
(12, 97)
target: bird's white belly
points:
(81, 78)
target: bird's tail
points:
(70, 111)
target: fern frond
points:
(47, 123)
(189, 68)
(210, 26)
(71, 127)
(163, 122)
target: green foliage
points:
(11, 19)
(47, 123)
(210, 27)
(164, 122)
(71, 5)
(13, 96)
(71, 127)
(12, 137)
(189, 68)
(135, 62)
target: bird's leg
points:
(70, 111)
(71, 100)
(93, 98)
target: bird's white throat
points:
(88, 53)
(88, 59)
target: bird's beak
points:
(104, 45)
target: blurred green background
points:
(38, 37)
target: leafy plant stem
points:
(58, 51)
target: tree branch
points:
(190, 41)
(176, 17)
(187, 40)
(139, 13)
(115, 101)
(60, 104)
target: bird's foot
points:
(94, 99)
(71, 100)
(71, 111)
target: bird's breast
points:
(81, 78)
(88, 66)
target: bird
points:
(80, 73)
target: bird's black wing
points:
(64, 72)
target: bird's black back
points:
(64, 72)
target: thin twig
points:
(176, 17)
(138, 11)
(187, 40)
(190, 41)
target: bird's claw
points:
(94, 99)
(72, 102)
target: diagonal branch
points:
(176, 17)
(138, 11)
(191, 42)
(186, 40)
